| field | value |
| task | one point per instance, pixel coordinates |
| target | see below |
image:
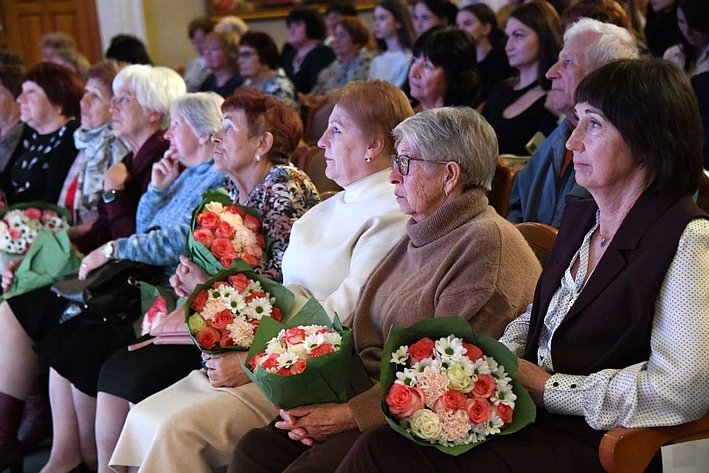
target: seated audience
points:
(395, 35)
(49, 105)
(429, 13)
(335, 11)
(595, 352)
(692, 52)
(432, 271)
(51, 43)
(480, 22)
(543, 187)
(221, 54)
(304, 55)
(661, 30)
(443, 72)
(516, 107)
(128, 49)
(196, 70)
(258, 65)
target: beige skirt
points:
(190, 426)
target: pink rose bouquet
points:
(223, 233)
(446, 387)
(224, 312)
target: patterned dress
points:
(283, 197)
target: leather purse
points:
(111, 291)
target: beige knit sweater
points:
(465, 260)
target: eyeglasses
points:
(121, 99)
(402, 162)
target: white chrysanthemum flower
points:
(504, 394)
(313, 340)
(225, 292)
(406, 377)
(299, 350)
(421, 365)
(493, 425)
(285, 360)
(275, 346)
(334, 339)
(400, 356)
(480, 366)
(254, 286)
(260, 307)
(450, 348)
(235, 302)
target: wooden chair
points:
(703, 199)
(631, 450)
(540, 237)
(499, 196)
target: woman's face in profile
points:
(469, 23)
(235, 149)
(184, 143)
(35, 107)
(424, 19)
(342, 44)
(385, 25)
(522, 46)
(694, 37)
(602, 159)
(214, 55)
(427, 81)
(95, 104)
(345, 148)
(296, 34)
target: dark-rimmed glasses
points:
(402, 162)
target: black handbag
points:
(111, 291)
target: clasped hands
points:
(316, 422)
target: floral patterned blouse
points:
(281, 87)
(283, 197)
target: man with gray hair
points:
(547, 182)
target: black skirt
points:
(38, 312)
(135, 375)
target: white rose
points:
(425, 424)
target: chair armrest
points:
(631, 450)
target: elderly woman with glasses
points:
(458, 256)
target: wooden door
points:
(25, 21)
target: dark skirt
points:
(77, 348)
(38, 312)
(135, 375)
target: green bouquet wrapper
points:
(326, 378)
(435, 328)
(284, 298)
(200, 254)
(50, 258)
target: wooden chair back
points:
(540, 237)
(703, 199)
(499, 196)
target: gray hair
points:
(154, 87)
(458, 134)
(201, 110)
(612, 44)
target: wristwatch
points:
(111, 195)
(108, 249)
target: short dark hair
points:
(453, 50)
(443, 9)
(313, 20)
(62, 86)
(10, 58)
(653, 106)
(265, 113)
(11, 77)
(356, 28)
(265, 47)
(205, 25)
(541, 17)
(341, 7)
(128, 49)
(105, 72)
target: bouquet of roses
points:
(224, 312)
(306, 361)
(20, 225)
(222, 233)
(446, 387)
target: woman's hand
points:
(93, 260)
(187, 276)
(314, 423)
(116, 177)
(224, 369)
(8, 274)
(164, 172)
(532, 377)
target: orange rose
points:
(208, 220)
(221, 247)
(222, 319)
(204, 236)
(451, 401)
(234, 209)
(321, 350)
(226, 341)
(33, 213)
(403, 401)
(473, 352)
(207, 338)
(239, 282)
(421, 349)
(200, 300)
(224, 230)
(226, 261)
(248, 259)
(298, 367)
(294, 335)
(484, 386)
(252, 223)
(276, 314)
(479, 410)
(504, 412)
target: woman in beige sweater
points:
(458, 257)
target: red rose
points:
(504, 412)
(248, 259)
(473, 352)
(270, 362)
(403, 401)
(479, 410)
(260, 240)
(226, 261)
(226, 341)
(239, 282)
(218, 284)
(254, 295)
(208, 220)
(200, 300)
(283, 372)
(294, 335)
(33, 213)
(254, 250)
(484, 386)
(15, 234)
(298, 367)
(421, 349)
(234, 209)
(224, 230)
(256, 360)
(451, 401)
(208, 338)
(222, 319)
(204, 236)
(276, 314)
(252, 223)
(221, 247)
(321, 350)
